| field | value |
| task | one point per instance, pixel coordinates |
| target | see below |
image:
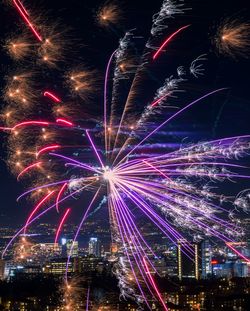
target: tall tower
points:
(206, 257)
(189, 265)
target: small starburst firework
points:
(233, 38)
(109, 14)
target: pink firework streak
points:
(37, 208)
(59, 195)
(30, 123)
(154, 285)
(157, 101)
(229, 245)
(64, 122)
(24, 14)
(168, 40)
(61, 224)
(52, 96)
(46, 149)
(35, 165)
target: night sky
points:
(222, 115)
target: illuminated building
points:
(191, 301)
(91, 263)
(69, 247)
(58, 266)
(94, 247)
(206, 259)
(46, 250)
(230, 269)
(189, 267)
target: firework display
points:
(233, 38)
(63, 152)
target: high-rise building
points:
(189, 264)
(69, 247)
(171, 261)
(95, 247)
(206, 259)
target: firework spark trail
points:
(78, 231)
(167, 41)
(52, 96)
(105, 97)
(63, 188)
(172, 117)
(151, 193)
(37, 217)
(232, 38)
(83, 165)
(154, 285)
(37, 208)
(61, 224)
(154, 217)
(41, 187)
(65, 122)
(87, 302)
(237, 252)
(47, 148)
(22, 7)
(169, 9)
(123, 236)
(95, 150)
(129, 233)
(22, 11)
(134, 230)
(30, 123)
(161, 125)
(157, 101)
(35, 165)
(162, 199)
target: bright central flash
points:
(108, 175)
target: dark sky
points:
(220, 116)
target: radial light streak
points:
(105, 97)
(154, 285)
(229, 245)
(168, 40)
(95, 150)
(172, 117)
(90, 168)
